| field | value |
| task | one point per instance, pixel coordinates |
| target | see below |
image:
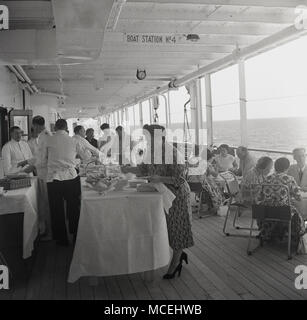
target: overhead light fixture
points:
(140, 74)
(114, 14)
(193, 37)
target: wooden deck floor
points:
(218, 269)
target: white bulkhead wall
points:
(10, 90)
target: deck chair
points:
(197, 188)
(272, 213)
(233, 202)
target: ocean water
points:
(283, 134)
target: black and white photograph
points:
(153, 151)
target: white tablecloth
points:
(23, 200)
(120, 233)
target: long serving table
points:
(122, 232)
(23, 201)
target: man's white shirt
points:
(59, 156)
(14, 152)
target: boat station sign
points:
(4, 17)
(141, 38)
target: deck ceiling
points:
(109, 81)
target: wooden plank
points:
(114, 292)
(245, 277)
(100, 291)
(226, 273)
(73, 289)
(153, 287)
(60, 277)
(205, 283)
(166, 286)
(270, 277)
(86, 290)
(33, 288)
(126, 288)
(198, 292)
(47, 281)
(139, 286)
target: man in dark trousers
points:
(63, 182)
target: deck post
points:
(127, 117)
(169, 108)
(209, 117)
(141, 115)
(194, 111)
(150, 109)
(243, 103)
(118, 118)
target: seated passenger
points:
(224, 161)
(205, 173)
(273, 197)
(247, 161)
(299, 170)
(254, 177)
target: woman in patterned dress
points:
(254, 178)
(171, 171)
(279, 197)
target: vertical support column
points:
(199, 112)
(127, 118)
(194, 111)
(133, 108)
(122, 113)
(166, 110)
(118, 118)
(150, 109)
(243, 103)
(209, 118)
(169, 108)
(141, 115)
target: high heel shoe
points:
(172, 275)
(184, 257)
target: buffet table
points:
(121, 232)
(23, 200)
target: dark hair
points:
(209, 154)
(12, 129)
(224, 146)
(282, 164)
(38, 120)
(263, 163)
(298, 149)
(89, 130)
(242, 148)
(61, 124)
(105, 126)
(152, 127)
(119, 129)
(77, 129)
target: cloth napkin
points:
(167, 194)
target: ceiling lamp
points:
(193, 37)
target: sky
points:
(276, 84)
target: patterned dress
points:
(178, 219)
(279, 197)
